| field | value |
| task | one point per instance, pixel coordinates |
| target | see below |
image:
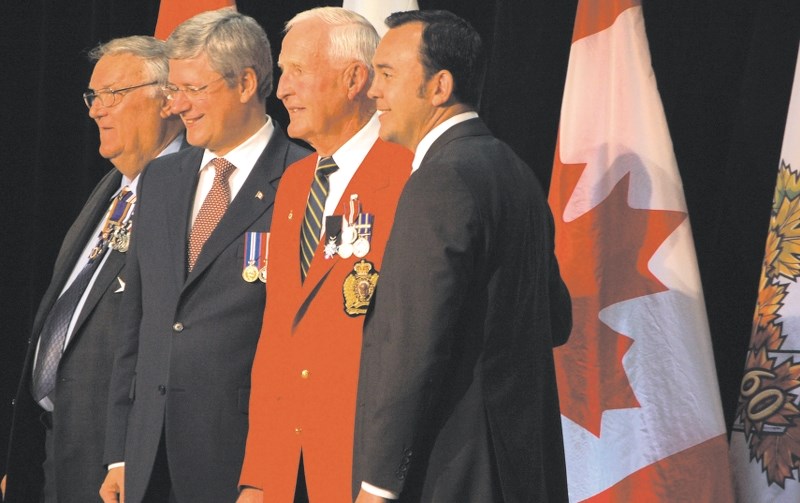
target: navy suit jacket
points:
(82, 379)
(457, 396)
(187, 341)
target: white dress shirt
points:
(244, 157)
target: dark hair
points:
(448, 43)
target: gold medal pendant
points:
(359, 287)
(250, 273)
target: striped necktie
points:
(312, 221)
(53, 335)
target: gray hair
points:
(231, 41)
(150, 50)
(352, 36)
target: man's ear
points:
(165, 110)
(247, 85)
(442, 87)
(355, 76)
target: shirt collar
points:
(434, 134)
(173, 146)
(245, 155)
(352, 153)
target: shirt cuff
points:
(111, 466)
(377, 491)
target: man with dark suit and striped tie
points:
(56, 445)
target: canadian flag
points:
(171, 13)
(640, 404)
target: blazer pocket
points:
(244, 399)
(132, 389)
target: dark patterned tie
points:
(312, 221)
(214, 206)
(54, 331)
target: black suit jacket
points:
(187, 341)
(457, 395)
(82, 379)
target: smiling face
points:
(313, 88)
(400, 89)
(216, 119)
(131, 130)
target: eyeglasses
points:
(191, 92)
(110, 97)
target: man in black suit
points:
(457, 394)
(191, 315)
(68, 414)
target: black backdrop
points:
(724, 69)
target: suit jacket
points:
(82, 377)
(306, 368)
(186, 346)
(457, 396)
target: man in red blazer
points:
(305, 374)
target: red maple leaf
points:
(603, 257)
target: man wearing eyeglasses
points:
(56, 443)
(191, 316)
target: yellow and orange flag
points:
(640, 404)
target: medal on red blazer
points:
(359, 287)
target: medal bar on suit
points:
(262, 271)
(349, 233)
(364, 228)
(333, 231)
(252, 253)
(113, 231)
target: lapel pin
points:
(290, 214)
(259, 195)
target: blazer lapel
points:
(109, 273)
(246, 207)
(180, 209)
(75, 243)
(470, 127)
(367, 184)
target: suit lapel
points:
(470, 127)
(179, 210)
(245, 208)
(109, 272)
(75, 242)
(367, 183)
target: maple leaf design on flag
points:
(604, 257)
(766, 408)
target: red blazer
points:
(305, 373)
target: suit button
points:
(162, 389)
(178, 327)
(298, 430)
(305, 373)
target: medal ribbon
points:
(263, 250)
(120, 207)
(364, 225)
(253, 249)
